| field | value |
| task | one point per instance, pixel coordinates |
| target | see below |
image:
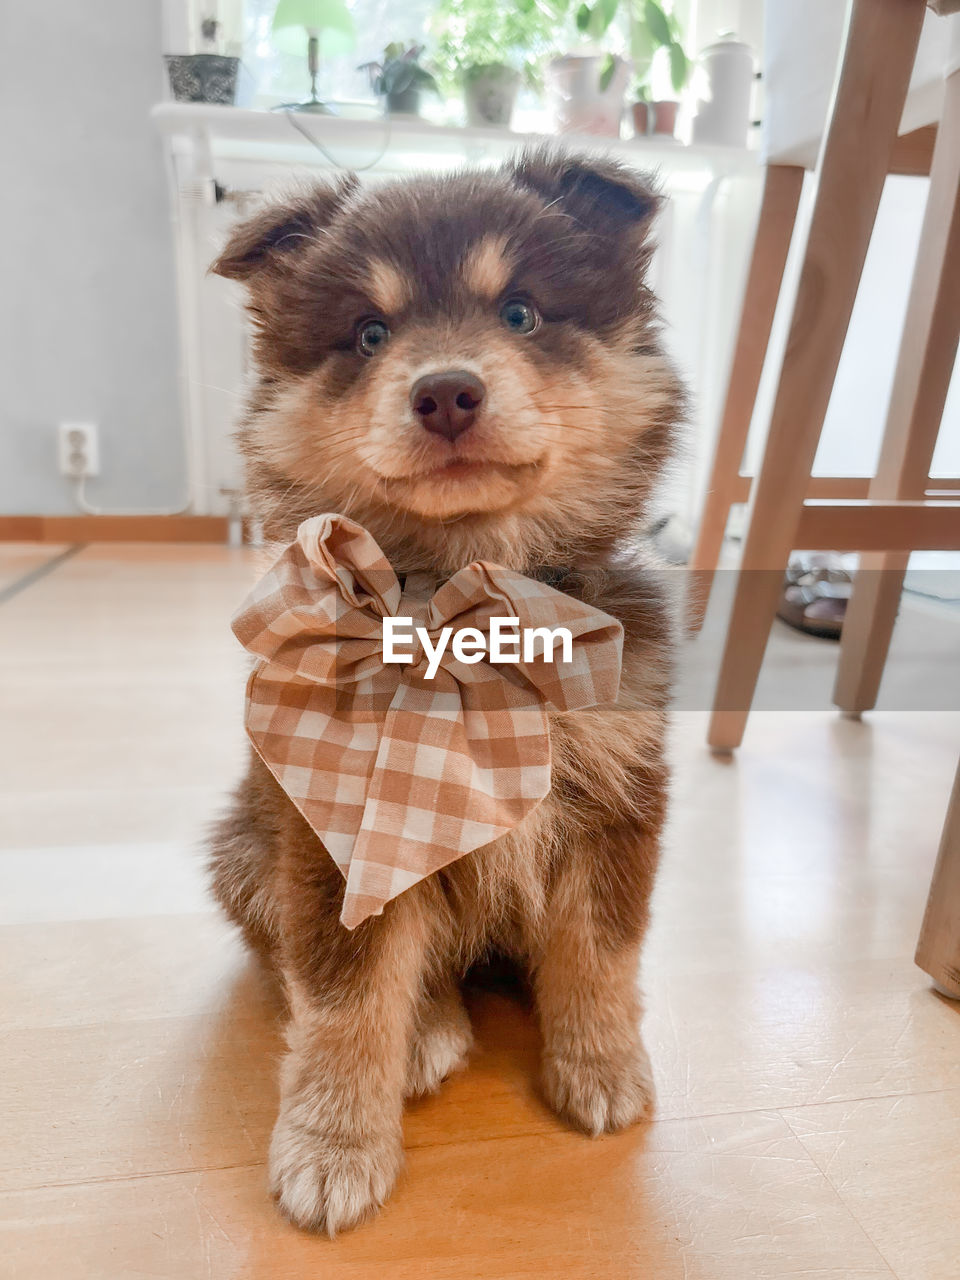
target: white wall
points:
(87, 320)
(711, 17)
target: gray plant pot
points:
(490, 94)
(405, 102)
(206, 77)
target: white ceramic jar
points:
(723, 113)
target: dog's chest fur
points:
(607, 775)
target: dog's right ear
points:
(603, 195)
(261, 242)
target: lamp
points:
(326, 20)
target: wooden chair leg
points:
(778, 212)
(925, 364)
(868, 630)
(877, 62)
(938, 947)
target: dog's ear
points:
(261, 241)
(603, 195)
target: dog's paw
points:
(325, 1186)
(599, 1094)
(439, 1048)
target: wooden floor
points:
(809, 1080)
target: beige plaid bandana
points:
(396, 773)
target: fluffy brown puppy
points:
(470, 367)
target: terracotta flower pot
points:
(665, 117)
(641, 119)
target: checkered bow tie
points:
(398, 774)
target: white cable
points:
(328, 155)
(80, 497)
(234, 516)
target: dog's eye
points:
(372, 336)
(519, 316)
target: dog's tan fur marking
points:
(487, 267)
(389, 288)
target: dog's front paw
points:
(599, 1094)
(440, 1047)
(327, 1186)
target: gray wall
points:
(87, 312)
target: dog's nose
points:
(447, 403)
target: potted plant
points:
(586, 85)
(587, 91)
(649, 33)
(490, 93)
(640, 107)
(655, 34)
(209, 76)
(400, 78)
(489, 48)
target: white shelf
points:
(405, 142)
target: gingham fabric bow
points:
(397, 774)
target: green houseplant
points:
(650, 30)
(654, 32)
(400, 78)
(488, 47)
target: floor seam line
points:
(109, 1179)
(842, 1198)
(35, 575)
(866, 1097)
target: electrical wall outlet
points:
(78, 449)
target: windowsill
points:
(235, 131)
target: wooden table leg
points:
(778, 212)
(938, 948)
(877, 63)
(928, 352)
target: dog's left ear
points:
(603, 195)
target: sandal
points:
(815, 592)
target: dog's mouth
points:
(461, 485)
(458, 468)
(470, 468)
